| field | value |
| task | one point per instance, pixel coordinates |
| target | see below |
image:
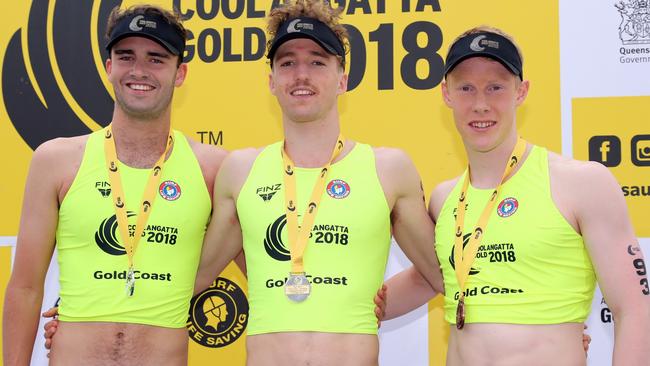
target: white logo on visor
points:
(292, 26)
(475, 46)
(134, 26)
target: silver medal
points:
(130, 282)
(297, 287)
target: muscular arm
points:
(36, 239)
(223, 239)
(408, 290)
(412, 227)
(602, 216)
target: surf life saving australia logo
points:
(634, 31)
(219, 315)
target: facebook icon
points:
(605, 150)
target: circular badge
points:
(338, 189)
(507, 207)
(218, 315)
(169, 190)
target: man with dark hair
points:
(316, 252)
(523, 234)
(124, 299)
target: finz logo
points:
(452, 261)
(641, 150)
(338, 189)
(267, 192)
(106, 236)
(104, 188)
(635, 21)
(219, 315)
(39, 107)
(273, 243)
(605, 150)
(507, 207)
(169, 190)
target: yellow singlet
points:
(531, 267)
(345, 257)
(91, 255)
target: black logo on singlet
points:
(104, 188)
(37, 106)
(267, 192)
(106, 236)
(472, 271)
(273, 243)
(218, 316)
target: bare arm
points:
(36, 239)
(602, 216)
(412, 227)
(408, 290)
(223, 239)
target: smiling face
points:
(306, 80)
(484, 97)
(143, 74)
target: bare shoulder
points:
(397, 174)
(56, 162)
(439, 196)
(580, 177)
(235, 169)
(392, 158)
(60, 155)
(209, 157)
(582, 189)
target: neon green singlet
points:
(91, 256)
(531, 267)
(345, 257)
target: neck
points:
(310, 144)
(486, 168)
(139, 143)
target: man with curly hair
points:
(316, 251)
(121, 303)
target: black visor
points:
(485, 44)
(304, 27)
(152, 26)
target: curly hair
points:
(173, 18)
(317, 9)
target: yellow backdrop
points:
(225, 100)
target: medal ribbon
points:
(148, 196)
(298, 237)
(463, 259)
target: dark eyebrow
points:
(127, 51)
(319, 53)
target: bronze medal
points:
(460, 315)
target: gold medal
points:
(460, 314)
(297, 287)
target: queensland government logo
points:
(507, 207)
(635, 21)
(338, 189)
(39, 107)
(169, 190)
(219, 315)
